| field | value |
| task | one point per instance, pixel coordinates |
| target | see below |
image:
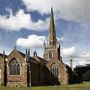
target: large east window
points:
(54, 70)
(14, 67)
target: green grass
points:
(84, 86)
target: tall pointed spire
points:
(52, 34)
(52, 20)
(52, 47)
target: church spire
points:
(52, 34)
(52, 50)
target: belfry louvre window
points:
(50, 54)
(14, 68)
(54, 70)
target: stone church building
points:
(20, 69)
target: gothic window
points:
(50, 54)
(54, 70)
(14, 67)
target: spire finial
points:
(3, 52)
(28, 52)
(44, 44)
(51, 10)
(35, 53)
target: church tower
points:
(52, 49)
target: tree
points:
(83, 73)
(86, 76)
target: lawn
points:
(84, 86)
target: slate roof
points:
(43, 60)
(21, 53)
(35, 59)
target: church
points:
(20, 69)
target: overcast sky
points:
(25, 23)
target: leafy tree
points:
(83, 73)
(86, 76)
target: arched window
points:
(14, 67)
(54, 70)
(50, 54)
